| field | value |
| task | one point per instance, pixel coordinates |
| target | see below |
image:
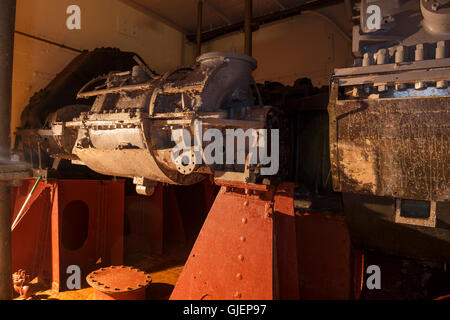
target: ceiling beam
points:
(156, 16)
(217, 11)
(283, 14)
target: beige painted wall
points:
(105, 23)
(302, 46)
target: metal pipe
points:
(248, 26)
(48, 41)
(199, 27)
(7, 21)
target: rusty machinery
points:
(388, 149)
(127, 132)
(389, 129)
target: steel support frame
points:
(246, 248)
(37, 240)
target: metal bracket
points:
(144, 186)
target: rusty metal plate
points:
(119, 279)
(397, 148)
(43, 242)
(233, 255)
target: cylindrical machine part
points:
(399, 58)
(382, 56)
(367, 60)
(419, 55)
(7, 22)
(248, 27)
(441, 50)
(400, 54)
(441, 53)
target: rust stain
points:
(395, 147)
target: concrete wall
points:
(105, 23)
(307, 45)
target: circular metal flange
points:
(186, 168)
(119, 280)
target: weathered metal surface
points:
(393, 147)
(119, 283)
(128, 131)
(62, 90)
(233, 255)
(68, 222)
(246, 249)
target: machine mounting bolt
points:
(237, 295)
(244, 220)
(239, 276)
(241, 257)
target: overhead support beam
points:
(218, 12)
(7, 22)
(199, 27)
(258, 21)
(248, 27)
(156, 16)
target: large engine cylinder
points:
(129, 129)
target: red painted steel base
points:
(68, 222)
(233, 257)
(119, 283)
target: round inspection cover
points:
(118, 279)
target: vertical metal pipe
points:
(7, 21)
(199, 27)
(248, 26)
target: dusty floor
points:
(164, 270)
